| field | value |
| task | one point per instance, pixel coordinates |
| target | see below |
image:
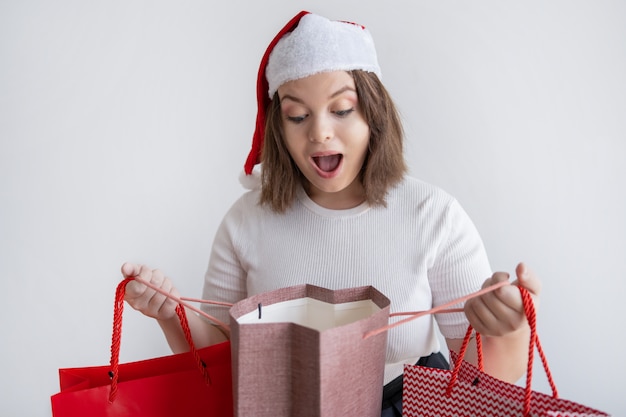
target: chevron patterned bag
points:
(467, 391)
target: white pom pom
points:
(252, 181)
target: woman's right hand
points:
(145, 299)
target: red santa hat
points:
(308, 44)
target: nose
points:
(321, 129)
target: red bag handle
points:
(117, 338)
(531, 316)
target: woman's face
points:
(326, 136)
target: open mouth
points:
(328, 163)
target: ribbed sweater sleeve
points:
(460, 267)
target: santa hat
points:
(308, 44)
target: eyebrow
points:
(333, 95)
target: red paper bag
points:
(162, 387)
(166, 386)
(467, 391)
(300, 351)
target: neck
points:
(350, 197)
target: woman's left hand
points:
(501, 312)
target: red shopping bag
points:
(196, 383)
(467, 391)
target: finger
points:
(477, 311)
(501, 295)
(497, 311)
(158, 304)
(493, 318)
(135, 289)
(478, 315)
(526, 278)
(157, 279)
(165, 305)
(130, 270)
(496, 278)
(490, 311)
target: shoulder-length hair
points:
(384, 164)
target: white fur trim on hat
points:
(319, 45)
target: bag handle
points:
(118, 310)
(182, 301)
(531, 316)
(443, 308)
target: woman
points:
(335, 208)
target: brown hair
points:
(384, 164)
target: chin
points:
(330, 186)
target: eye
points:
(297, 119)
(343, 113)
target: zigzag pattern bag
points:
(468, 391)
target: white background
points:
(124, 126)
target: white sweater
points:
(422, 250)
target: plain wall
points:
(124, 126)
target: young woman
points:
(334, 207)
